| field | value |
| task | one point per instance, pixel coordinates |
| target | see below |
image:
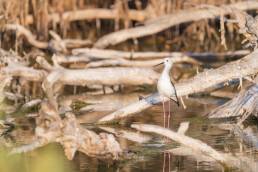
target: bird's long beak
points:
(158, 64)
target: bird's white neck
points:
(166, 70)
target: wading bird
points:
(166, 88)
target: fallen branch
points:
(91, 63)
(105, 76)
(244, 104)
(95, 53)
(29, 73)
(134, 63)
(201, 82)
(102, 76)
(21, 30)
(92, 14)
(87, 54)
(58, 45)
(189, 142)
(161, 23)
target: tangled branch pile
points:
(53, 48)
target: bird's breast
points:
(165, 88)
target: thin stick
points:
(182, 101)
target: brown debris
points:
(248, 27)
(51, 128)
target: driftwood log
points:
(102, 76)
(244, 104)
(201, 82)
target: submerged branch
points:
(129, 135)
(194, 144)
(98, 103)
(227, 160)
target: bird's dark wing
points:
(175, 99)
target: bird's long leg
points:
(164, 161)
(164, 113)
(168, 112)
(169, 159)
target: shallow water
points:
(149, 156)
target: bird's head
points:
(167, 62)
